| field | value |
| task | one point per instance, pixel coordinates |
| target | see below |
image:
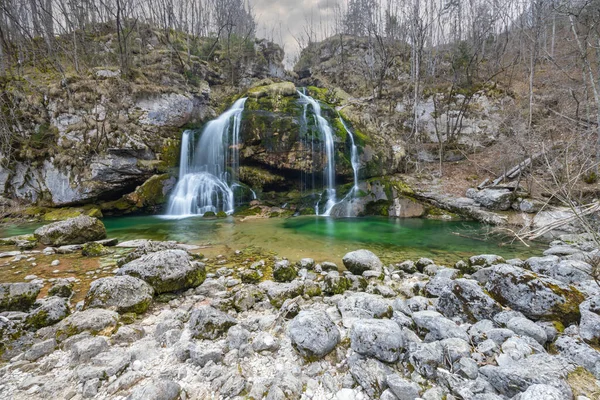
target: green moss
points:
(221, 214)
(245, 211)
(169, 154)
(251, 276)
(285, 274)
(93, 249)
(379, 207)
(336, 285)
(307, 211)
(209, 214)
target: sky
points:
(284, 20)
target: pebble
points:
(55, 263)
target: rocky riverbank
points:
(164, 322)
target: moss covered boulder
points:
(537, 297)
(124, 294)
(283, 271)
(166, 270)
(78, 230)
(47, 312)
(207, 322)
(335, 284)
(95, 321)
(18, 296)
(94, 249)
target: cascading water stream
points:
(329, 171)
(355, 167)
(204, 183)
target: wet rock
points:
(162, 389)
(283, 271)
(47, 311)
(313, 334)
(166, 271)
(362, 260)
(78, 230)
(370, 374)
(379, 338)
(207, 322)
(536, 297)
(18, 296)
(123, 294)
(464, 300)
(96, 321)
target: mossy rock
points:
(221, 214)
(283, 271)
(273, 90)
(209, 214)
(307, 211)
(61, 214)
(93, 249)
(251, 276)
(336, 284)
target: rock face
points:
(360, 261)
(536, 297)
(209, 323)
(377, 338)
(313, 334)
(121, 293)
(166, 271)
(76, 230)
(17, 296)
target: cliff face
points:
(94, 135)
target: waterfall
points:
(329, 171)
(353, 155)
(204, 182)
(347, 200)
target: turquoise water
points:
(394, 240)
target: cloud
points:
(283, 21)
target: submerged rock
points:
(360, 261)
(166, 271)
(121, 293)
(78, 230)
(313, 334)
